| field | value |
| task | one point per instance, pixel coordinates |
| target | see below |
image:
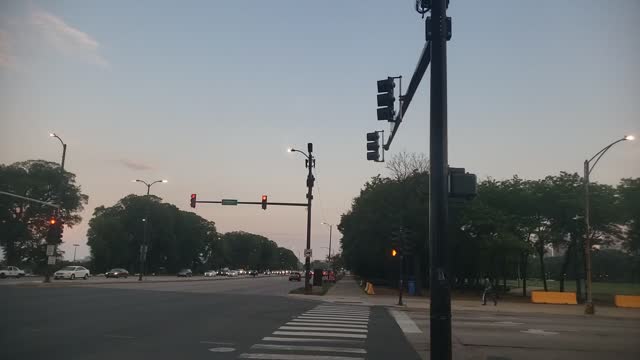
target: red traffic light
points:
(264, 202)
(193, 200)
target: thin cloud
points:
(67, 38)
(6, 59)
(134, 165)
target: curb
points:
(58, 283)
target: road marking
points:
(320, 317)
(321, 334)
(509, 323)
(315, 320)
(301, 323)
(295, 357)
(309, 348)
(222, 349)
(538, 332)
(342, 310)
(322, 329)
(215, 343)
(290, 339)
(338, 313)
(479, 323)
(404, 321)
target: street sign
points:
(229, 202)
(307, 252)
(50, 250)
(51, 260)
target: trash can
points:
(411, 284)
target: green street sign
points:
(229, 202)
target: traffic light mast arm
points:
(252, 203)
(421, 69)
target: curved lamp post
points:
(143, 247)
(588, 168)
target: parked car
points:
(253, 273)
(223, 272)
(72, 273)
(210, 273)
(116, 273)
(295, 276)
(185, 273)
(232, 273)
(11, 271)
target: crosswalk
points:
(326, 332)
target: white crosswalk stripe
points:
(326, 332)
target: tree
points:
(403, 164)
(23, 224)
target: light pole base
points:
(589, 309)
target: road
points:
(217, 319)
(523, 336)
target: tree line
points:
(177, 238)
(509, 229)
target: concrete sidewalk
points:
(347, 290)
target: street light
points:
(310, 162)
(64, 148)
(143, 247)
(588, 168)
(330, 232)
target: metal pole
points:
(75, 246)
(330, 232)
(307, 260)
(440, 328)
(589, 308)
(64, 155)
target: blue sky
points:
(209, 94)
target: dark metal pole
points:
(64, 155)
(589, 308)
(310, 180)
(330, 232)
(143, 248)
(438, 213)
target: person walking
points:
(489, 290)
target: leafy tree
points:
(23, 224)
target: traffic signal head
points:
(386, 100)
(193, 200)
(394, 252)
(52, 221)
(373, 146)
(264, 202)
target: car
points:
(210, 273)
(116, 273)
(295, 276)
(185, 273)
(253, 273)
(72, 273)
(11, 271)
(223, 272)
(232, 273)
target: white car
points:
(211, 273)
(232, 273)
(72, 272)
(12, 271)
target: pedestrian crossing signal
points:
(394, 252)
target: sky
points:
(209, 95)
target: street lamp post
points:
(310, 163)
(588, 168)
(143, 247)
(75, 246)
(330, 232)
(47, 277)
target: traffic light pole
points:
(310, 181)
(440, 324)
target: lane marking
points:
(328, 321)
(338, 313)
(290, 339)
(404, 321)
(119, 336)
(309, 348)
(222, 349)
(295, 357)
(304, 328)
(538, 332)
(300, 323)
(321, 334)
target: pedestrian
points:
(489, 290)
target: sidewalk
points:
(348, 291)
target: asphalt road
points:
(523, 336)
(221, 319)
